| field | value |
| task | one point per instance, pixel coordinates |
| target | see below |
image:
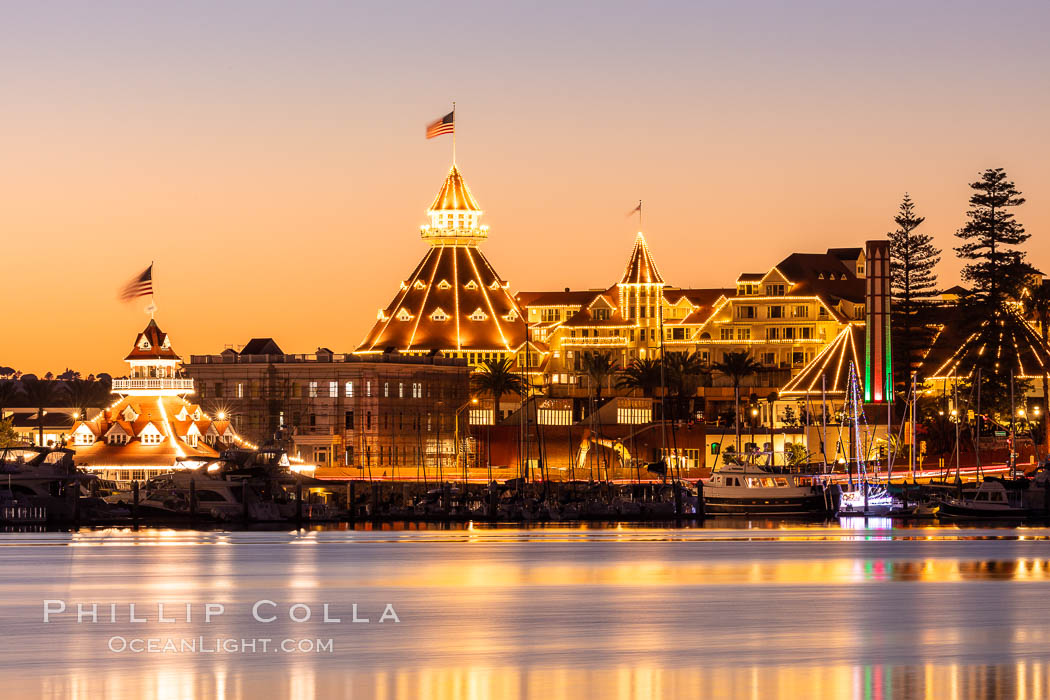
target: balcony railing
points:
(152, 383)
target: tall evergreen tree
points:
(913, 284)
(998, 272)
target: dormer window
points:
(144, 343)
(494, 285)
(512, 315)
(419, 285)
(820, 275)
(478, 315)
(151, 438)
(166, 344)
(117, 439)
(382, 315)
(197, 414)
(84, 437)
(403, 315)
(129, 414)
(439, 315)
(443, 284)
(471, 285)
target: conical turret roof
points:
(640, 266)
(152, 344)
(454, 194)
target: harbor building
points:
(785, 317)
(151, 427)
(353, 415)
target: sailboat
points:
(862, 497)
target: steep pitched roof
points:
(641, 269)
(454, 194)
(955, 351)
(452, 301)
(261, 346)
(580, 297)
(152, 344)
(828, 372)
(821, 274)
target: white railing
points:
(152, 383)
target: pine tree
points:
(998, 271)
(914, 285)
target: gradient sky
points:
(269, 156)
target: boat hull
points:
(810, 504)
(952, 510)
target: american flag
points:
(140, 286)
(445, 125)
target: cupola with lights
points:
(454, 302)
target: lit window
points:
(403, 315)
(386, 390)
(443, 284)
(478, 315)
(313, 390)
(368, 388)
(349, 390)
(333, 390)
(439, 315)
(471, 285)
(400, 390)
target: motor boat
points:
(754, 489)
(994, 498)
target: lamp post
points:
(473, 401)
(754, 450)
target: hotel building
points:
(151, 428)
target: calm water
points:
(549, 613)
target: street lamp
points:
(473, 401)
(754, 415)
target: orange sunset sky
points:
(269, 156)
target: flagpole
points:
(152, 302)
(453, 133)
(639, 215)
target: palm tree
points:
(684, 371)
(599, 367)
(82, 394)
(737, 366)
(40, 394)
(1037, 303)
(9, 393)
(640, 375)
(495, 378)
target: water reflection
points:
(1021, 680)
(548, 613)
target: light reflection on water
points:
(546, 613)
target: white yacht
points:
(758, 490)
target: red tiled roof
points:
(155, 349)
